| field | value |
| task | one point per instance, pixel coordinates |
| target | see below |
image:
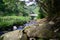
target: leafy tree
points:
(9, 7)
(1, 5)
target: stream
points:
(27, 25)
(32, 22)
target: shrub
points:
(11, 20)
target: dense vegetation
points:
(10, 20)
(12, 7)
(7, 22)
(12, 12)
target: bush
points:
(11, 20)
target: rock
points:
(14, 35)
(41, 30)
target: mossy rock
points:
(42, 30)
(14, 35)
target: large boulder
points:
(14, 35)
(42, 30)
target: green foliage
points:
(12, 7)
(36, 10)
(2, 5)
(43, 8)
(10, 20)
